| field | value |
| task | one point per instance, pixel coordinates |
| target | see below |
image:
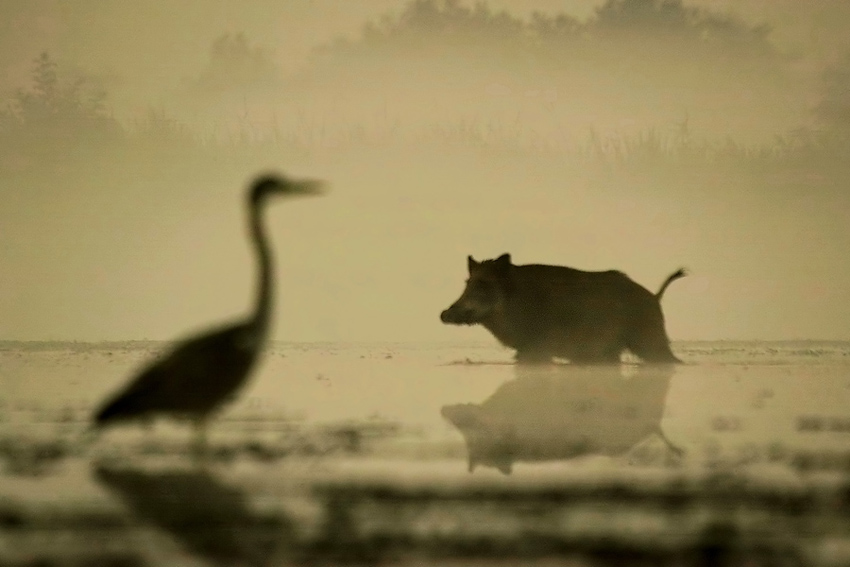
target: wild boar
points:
(562, 412)
(554, 311)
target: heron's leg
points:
(147, 424)
(200, 446)
(89, 436)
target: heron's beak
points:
(306, 187)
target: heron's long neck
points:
(264, 300)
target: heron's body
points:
(191, 381)
(202, 373)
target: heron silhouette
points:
(200, 374)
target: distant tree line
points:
(57, 115)
(646, 28)
(652, 41)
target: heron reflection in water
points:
(202, 373)
(208, 516)
(561, 411)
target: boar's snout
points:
(456, 315)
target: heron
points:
(202, 373)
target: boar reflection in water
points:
(561, 411)
(554, 311)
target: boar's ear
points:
(471, 264)
(502, 267)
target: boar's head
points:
(488, 284)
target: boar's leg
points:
(609, 355)
(613, 355)
(652, 345)
(597, 344)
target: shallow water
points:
(767, 422)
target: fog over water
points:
(631, 134)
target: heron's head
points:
(268, 185)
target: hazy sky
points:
(380, 256)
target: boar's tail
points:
(680, 273)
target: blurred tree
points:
(642, 16)
(237, 65)
(78, 102)
(833, 111)
(670, 24)
(437, 27)
(46, 83)
(57, 115)
(557, 26)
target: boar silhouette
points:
(554, 311)
(560, 412)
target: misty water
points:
(753, 437)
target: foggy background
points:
(640, 135)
